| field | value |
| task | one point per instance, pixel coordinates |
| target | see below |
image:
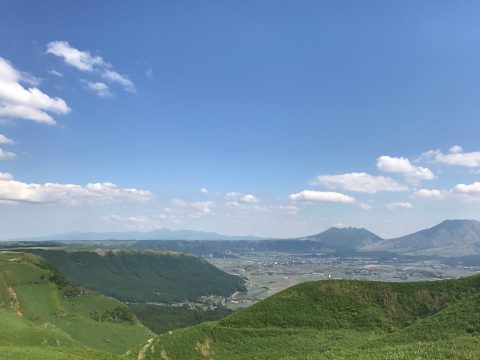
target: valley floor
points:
(268, 273)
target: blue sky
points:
(292, 116)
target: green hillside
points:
(43, 316)
(341, 320)
(142, 276)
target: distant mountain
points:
(333, 239)
(449, 238)
(160, 234)
(341, 239)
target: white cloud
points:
(455, 156)
(456, 149)
(5, 140)
(200, 207)
(204, 190)
(84, 61)
(120, 79)
(55, 72)
(249, 198)
(329, 196)
(429, 193)
(466, 192)
(203, 206)
(6, 155)
(99, 88)
(248, 209)
(29, 104)
(360, 182)
(399, 205)
(473, 188)
(68, 194)
(401, 165)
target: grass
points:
(44, 317)
(35, 312)
(142, 276)
(341, 320)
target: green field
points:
(44, 316)
(341, 320)
(40, 313)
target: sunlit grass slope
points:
(42, 313)
(341, 319)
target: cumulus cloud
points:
(99, 88)
(463, 192)
(5, 140)
(455, 156)
(429, 193)
(399, 205)
(249, 198)
(473, 188)
(327, 196)
(204, 190)
(18, 102)
(360, 182)
(68, 194)
(401, 165)
(84, 61)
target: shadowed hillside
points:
(142, 276)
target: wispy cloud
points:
(5, 140)
(6, 155)
(238, 196)
(399, 205)
(98, 88)
(86, 62)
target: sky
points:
(268, 118)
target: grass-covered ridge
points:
(341, 319)
(42, 315)
(142, 276)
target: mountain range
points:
(159, 234)
(449, 238)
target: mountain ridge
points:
(452, 237)
(158, 234)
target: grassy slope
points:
(36, 317)
(342, 320)
(142, 276)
